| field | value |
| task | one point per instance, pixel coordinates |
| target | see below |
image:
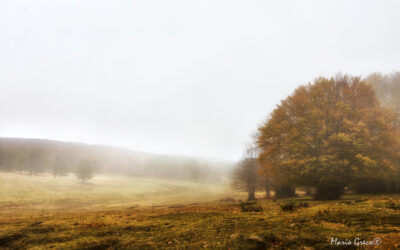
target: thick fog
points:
(176, 77)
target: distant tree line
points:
(330, 136)
(34, 157)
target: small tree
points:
(85, 171)
(195, 170)
(245, 175)
(58, 167)
(35, 161)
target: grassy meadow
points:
(113, 212)
(47, 193)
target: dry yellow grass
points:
(103, 191)
(113, 212)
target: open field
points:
(43, 213)
(47, 193)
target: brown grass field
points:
(113, 212)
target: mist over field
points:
(176, 78)
(210, 124)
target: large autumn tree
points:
(327, 135)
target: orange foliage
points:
(333, 131)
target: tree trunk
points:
(285, 191)
(308, 191)
(268, 191)
(251, 196)
(251, 191)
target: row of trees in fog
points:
(329, 136)
(61, 158)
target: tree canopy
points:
(328, 134)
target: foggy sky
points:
(176, 77)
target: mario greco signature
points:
(356, 242)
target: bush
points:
(329, 191)
(361, 200)
(288, 206)
(227, 199)
(251, 206)
(392, 205)
(371, 186)
(302, 204)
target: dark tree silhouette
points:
(246, 174)
(85, 171)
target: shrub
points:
(371, 186)
(329, 191)
(227, 199)
(288, 206)
(393, 205)
(361, 200)
(251, 206)
(303, 204)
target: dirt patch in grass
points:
(10, 239)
